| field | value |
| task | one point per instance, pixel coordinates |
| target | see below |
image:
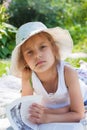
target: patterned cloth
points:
(82, 73)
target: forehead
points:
(37, 39)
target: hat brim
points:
(61, 37)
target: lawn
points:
(4, 66)
(75, 62)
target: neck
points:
(49, 79)
(49, 75)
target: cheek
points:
(52, 59)
(26, 58)
(50, 55)
(30, 63)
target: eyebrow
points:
(30, 48)
(42, 43)
(27, 49)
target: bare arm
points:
(76, 108)
(76, 102)
(58, 110)
(26, 85)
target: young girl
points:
(38, 59)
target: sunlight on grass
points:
(81, 46)
(75, 62)
(3, 65)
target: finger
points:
(35, 114)
(37, 105)
(34, 109)
(34, 120)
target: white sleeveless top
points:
(61, 97)
(53, 100)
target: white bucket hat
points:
(61, 37)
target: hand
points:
(37, 114)
(26, 73)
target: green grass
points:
(75, 62)
(3, 65)
(81, 46)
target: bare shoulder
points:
(69, 71)
(70, 75)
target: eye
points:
(43, 46)
(30, 52)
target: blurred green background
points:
(68, 14)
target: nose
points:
(38, 54)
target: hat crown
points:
(61, 37)
(28, 30)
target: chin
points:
(42, 70)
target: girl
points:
(37, 58)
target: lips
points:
(39, 63)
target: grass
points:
(81, 46)
(75, 62)
(3, 66)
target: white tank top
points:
(53, 100)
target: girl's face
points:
(38, 53)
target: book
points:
(18, 115)
(18, 112)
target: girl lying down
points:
(39, 57)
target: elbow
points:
(81, 116)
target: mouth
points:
(39, 63)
